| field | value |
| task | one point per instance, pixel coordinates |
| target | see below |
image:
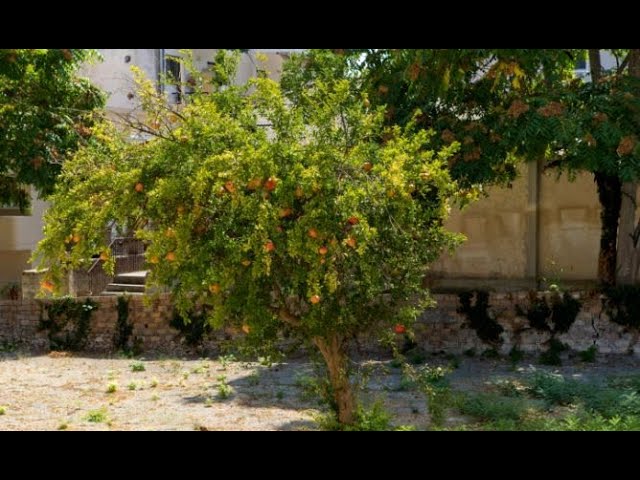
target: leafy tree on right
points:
(509, 105)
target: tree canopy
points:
(506, 105)
(45, 112)
(268, 212)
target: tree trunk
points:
(333, 351)
(628, 254)
(609, 194)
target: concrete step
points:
(118, 294)
(124, 287)
(133, 278)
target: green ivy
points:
(67, 321)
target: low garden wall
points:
(500, 322)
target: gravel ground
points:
(65, 392)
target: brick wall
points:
(439, 329)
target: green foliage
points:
(492, 407)
(97, 416)
(552, 355)
(515, 355)
(124, 328)
(320, 226)
(589, 355)
(3, 410)
(500, 106)
(68, 322)
(46, 112)
(367, 419)
(475, 306)
(137, 367)
(10, 291)
(224, 389)
(193, 326)
(622, 305)
(555, 318)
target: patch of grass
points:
(63, 426)
(405, 428)
(132, 386)
(202, 368)
(97, 416)
(155, 398)
(494, 408)
(279, 395)
(224, 389)
(3, 410)
(374, 418)
(253, 379)
(137, 367)
(112, 387)
(154, 383)
(225, 360)
(510, 388)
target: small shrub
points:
(97, 416)
(67, 323)
(374, 418)
(193, 327)
(225, 360)
(622, 305)
(224, 389)
(253, 379)
(589, 355)
(137, 367)
(154, 383)
(492, 407)
(63, 426)
(552, 355)
(132, 386)
(3, 410)
(416, 355)
(112, 387)
(515, 355)
(124, 328)
(490, 353)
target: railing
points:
(129, 257)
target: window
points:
(581, 62)
(173, 72)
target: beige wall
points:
(569, 238)
(545, 228)
(496, 231)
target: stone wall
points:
(19, 324)
(439, 330)
(444, 330)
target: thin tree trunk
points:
(628, 254)
(333, 352)
(609, 194)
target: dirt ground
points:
(64, 392)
